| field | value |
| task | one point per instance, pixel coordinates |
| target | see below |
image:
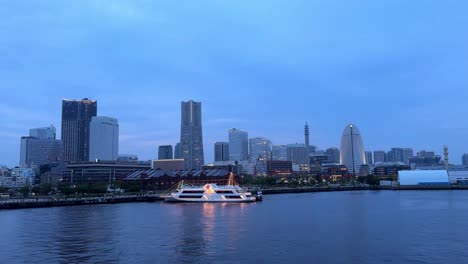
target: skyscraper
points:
(191, 137)
(76, 119)
(333, 155)
(238, 145)
(177, 151)
(465, 159)
(297, 153)
(279, 152)
(43, 132)
(165, 152)
(104, 138)
(352, 149)
(221, 151)
(39, 151)
(259, 148)
(400, 155)
(380, 156)
(368, 157)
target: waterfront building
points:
(279, 152)
(76, 119)
(248, 167)
(103, 138)
(333, 155)
(317, 159)
(423, 177)
(279, 167)
(400, 155)
(297, 153)
(238, 145)
(465, 159)
(165, 152)
(352, 149)
(380, 156)
(128, 157)
(234, 168)
(18, 177)
(168, 164)
(39, 151)
(221, 151)
(389, 169)
(368, 157)
(43, 132)
(259, 148)
(177, 151)
(191, 137)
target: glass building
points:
(279, 152)
(238, 145)
(221, 151)
(37, 151)
(76, 119)
(297, 153)
(333, 155)
(43, 132)
(191, 137)
(380, 156)
(352, 149)
(165, 152)
(259, 148)
(104, 138)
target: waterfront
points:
(329, 227)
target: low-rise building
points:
(168, 164)
(423, 177)
(279, 167)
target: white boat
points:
(210, 193)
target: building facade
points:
(238, 145)
(465, 159)
(279, 152)
(333, 155)
(380, 156)
(35, 151)
(369, 157)
(76, 120)
(259, 148)
(352, 149)
(400, 155)
(43, 132)
(104, 138)
(168, 164)
(191, 137)
(297, 154)
(177, 151)
(165, 152)
(221, 151)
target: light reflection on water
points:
(347, 227)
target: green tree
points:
(25, 190)
(45, 188)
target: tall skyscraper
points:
(177, 151)
(279, 152)
(43, 132)
(297, 153)
(307, 137)
(368, 157)
(380, 156)
(191, 137)
(39, 151)
(465, 159)
(165, 152)
(352, 149)
(238, 145)
(221, 151)
(333, 155)
(104, 138)
(76, 119)
(259, 148)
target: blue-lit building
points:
(423, 177)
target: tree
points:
(25, 190)
(45, 188)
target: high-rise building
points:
(465, 159)
(177, 151)
(221, 151)
(333, 155)
(39, 151)
(380, 156)
(165, 152)
(191, 137)
(352, 149)
(259, 148)
(279, 152)
(400, 155)
(43, 132)
(76, 119)
(238, 145)
(104, 138)
(368, 157)
(307, 137)
(297, 153)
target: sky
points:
(398, 69)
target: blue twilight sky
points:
(398, 69)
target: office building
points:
(279, 167)
(221, 151)
(191, 136)
(168, 164)
(400, 155)
(177, 151)
(43, 132)
(128, 157)
(279, 152)
(238, 145)
(352, 149)
(465, 159)
(368, 157)
(259, 148)
(104, 138)
(380, 156)
(297, 154)
(333, 155)
(76, 119)
(165, 152)
(39, 151)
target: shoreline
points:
(11, 204)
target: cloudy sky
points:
(398, 69)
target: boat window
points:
(193, 191)
(191, 196)
(223, 191)
(233, 197)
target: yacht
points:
(210, 193)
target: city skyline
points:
(407, 73)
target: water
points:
(340, 227)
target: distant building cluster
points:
(88, 151)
